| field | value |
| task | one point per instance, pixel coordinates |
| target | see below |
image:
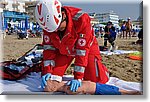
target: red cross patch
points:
(82, 42)
(46, 38)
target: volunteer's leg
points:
(61, 64)
(95, 70)
(90, 70)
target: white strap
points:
(49, 47)
(56, 78)
(49, 62)
(78, 15)
(79, 69)
(80, 52)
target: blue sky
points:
(124, 8)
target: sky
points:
(122, 9)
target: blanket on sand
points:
(32, 85)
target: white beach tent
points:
(1, 19)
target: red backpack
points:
(15, 70)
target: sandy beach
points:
(119, 65)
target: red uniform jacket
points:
(76, 42)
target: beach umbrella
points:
(101, 25)
(26, 23)
(5, 23)
(0, 21)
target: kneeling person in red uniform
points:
(67, 35)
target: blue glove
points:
(74, 85)
(44, 79)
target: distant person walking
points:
(128, 27)
(123, 29)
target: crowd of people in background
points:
(125, 30)
(21, 34)
(109, 32)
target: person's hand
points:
(44, 79)
(52, 86)
(74, 85)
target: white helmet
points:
(48, 14)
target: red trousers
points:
(95, 70)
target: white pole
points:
(1, 21)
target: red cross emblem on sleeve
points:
(46, 38)
(82, 42)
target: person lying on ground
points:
(88, 87)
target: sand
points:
(119, 65)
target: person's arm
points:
(87, 87)
(83, 43)
(49, 54)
